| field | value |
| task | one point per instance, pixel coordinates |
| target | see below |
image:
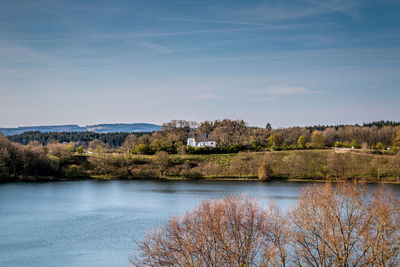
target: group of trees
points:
(231, 136)
(36, 162)
(338, 225)
(70, 161)
(80, 138)
(112, 140)
(378, 124)
(345, 136)
(18, 161)
(114, 155)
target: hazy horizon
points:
(288, 63)
(160, 124)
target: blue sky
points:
(284, 62)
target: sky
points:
(288, 63)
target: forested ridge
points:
(368, 153)
(231, 136)
(81, 138)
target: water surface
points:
(92, 223)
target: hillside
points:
(97, 128)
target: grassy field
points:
(294, 165)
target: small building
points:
(207, 144)
(192, 142)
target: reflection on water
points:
(92, 223)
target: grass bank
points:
(302, 165)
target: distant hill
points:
(97, 128)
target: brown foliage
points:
(227, 232)
(338, 225)
(265, 170)
(337, 164)
(341, 227)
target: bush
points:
(191, 174)
(265, 169)
(143, 149)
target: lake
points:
(93, 223)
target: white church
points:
(192, 142)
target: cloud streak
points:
(155, 47)
(208, 96)
(210, 59)
(308, 9)
(288, 90)
(264, 99)
(144, 35)
(230, 22)
(275, 93)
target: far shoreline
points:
(187, 179)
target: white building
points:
(192, 142)
(207, 144)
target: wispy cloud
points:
(216, 21)
(285, 90)
(347, 7)
(11, 52)
(307, 9)
(155, 47)
(208, 96)
(274, 93)
(264, 99)
(253, 27)
(143, 35)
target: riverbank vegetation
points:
(231, 136)
(369, 153)
(329, 226)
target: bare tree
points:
(217, 233)
(129, 143)
(339, 226)
(385, 229)
(337, 164)
(331, 226)
(277, 237)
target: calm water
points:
(92, 223)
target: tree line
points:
(231, 136)
(338, 225)
(21, 161)
(298, 159)
(62, 160)
(80, 138)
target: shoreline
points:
(239, 179)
